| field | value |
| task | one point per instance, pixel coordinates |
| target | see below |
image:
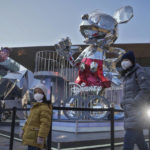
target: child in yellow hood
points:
(37, 126)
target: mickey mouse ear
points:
(123, 14)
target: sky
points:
(45, 22)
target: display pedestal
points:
(86, 126)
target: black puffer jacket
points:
(136, 94)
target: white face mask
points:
(126, 64)
(38, 97)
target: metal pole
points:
(49, 138)
(149, 137)
(112, 127)
(12, 129)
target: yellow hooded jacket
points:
(37, 124)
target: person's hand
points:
(40, 140)
(21, 133)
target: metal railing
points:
(49, 143)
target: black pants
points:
(134, 137)
(33, 148)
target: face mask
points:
(38, 97)
(126, 64)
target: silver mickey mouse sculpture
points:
(95, 63)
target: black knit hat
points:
(129, 55)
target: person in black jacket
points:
(135, 94)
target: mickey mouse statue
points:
(97, 62)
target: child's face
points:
(38, 90)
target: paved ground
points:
(64, 138)
(4, 145)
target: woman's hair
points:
(45, 100)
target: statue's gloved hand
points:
(63, 47)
